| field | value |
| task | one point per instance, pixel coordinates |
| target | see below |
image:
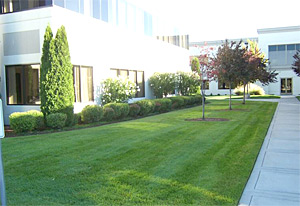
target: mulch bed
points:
(207, 120)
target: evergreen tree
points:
(57, 78)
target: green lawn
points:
(158, 160)
(222, 97)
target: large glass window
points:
(96, 9)
(282, 55)
(73, 5)
(133, 75)
(22, 84)
(104, 10)
(83, 83)
(8, 6)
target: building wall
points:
(92, 43)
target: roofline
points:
(219, 42)
(278, 29)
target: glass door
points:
(286, 86)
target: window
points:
(222, 85)
(8, 6)
(83, 83)
(22, 84)
(282, 55)
(96, 9)
(206, 85)
(104, 10)
(133, 75)
(73, 5)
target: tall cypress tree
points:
(58, 80)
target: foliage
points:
(177, 102)
(296, 64)
(134, 110)
(56, 120)
(109, 113)
(147, 106)
(187, 83)
(253, 90)
(77, 118)
(117, 90)
(121, 109)
(163, 105)
(91, 113)
(39, 119)
(22, 122)
(57, 92)
(162, 84)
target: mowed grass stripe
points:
(158, 160)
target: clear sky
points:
(206, 20)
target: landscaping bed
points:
(156, 160)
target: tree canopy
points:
(296, 64)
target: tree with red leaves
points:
(296, 64)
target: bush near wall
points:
(22, 122)
(109, 114)
(163, 105)
(39, 119)
(177, 102)
(56, 120)
(147, 106)
(91, 113)
(121, 109)
(134, 110)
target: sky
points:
(208, 20)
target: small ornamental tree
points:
(57, 76)
(296, 64)
(187, 83)
(226, 65)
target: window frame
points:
(80, 83)
(23, 90)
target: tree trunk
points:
(230, 96)
(244, 98)
(203, 100)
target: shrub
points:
(162, 84)
(117, 90)
(121, 109)
(187, 82)
(177, 102)
(56, 120)
(77, 118)
(134, 110)
(253, 89)
(147, 106)
(198, 99)
(163, 105)
(39, 119)
(109, 113)
(91, 113)
(187, 100)
(22, 122)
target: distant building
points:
(106, 38)
(279, 46)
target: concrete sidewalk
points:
(275, 179)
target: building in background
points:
(106, 38)
(279, 45)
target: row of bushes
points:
(34, 120)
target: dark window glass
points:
(72, 5)
(281, 48)
(297, 46)
(104, 10)
(22, 84)
(96, 9)
(222, 85)
(291, 47)
(272, 48)
(83, 83)
(206, 85)
(140, 84)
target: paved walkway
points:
(275, 179)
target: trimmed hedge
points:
(91, 113)
(77, 118)
(147, 106)
(121, 109)
(177, 102)
(56, 120)
(109, 113)
(163, 105)
(39, 119)
(22, 122)
(134, 110)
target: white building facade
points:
(279, 45)
(106, 38)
